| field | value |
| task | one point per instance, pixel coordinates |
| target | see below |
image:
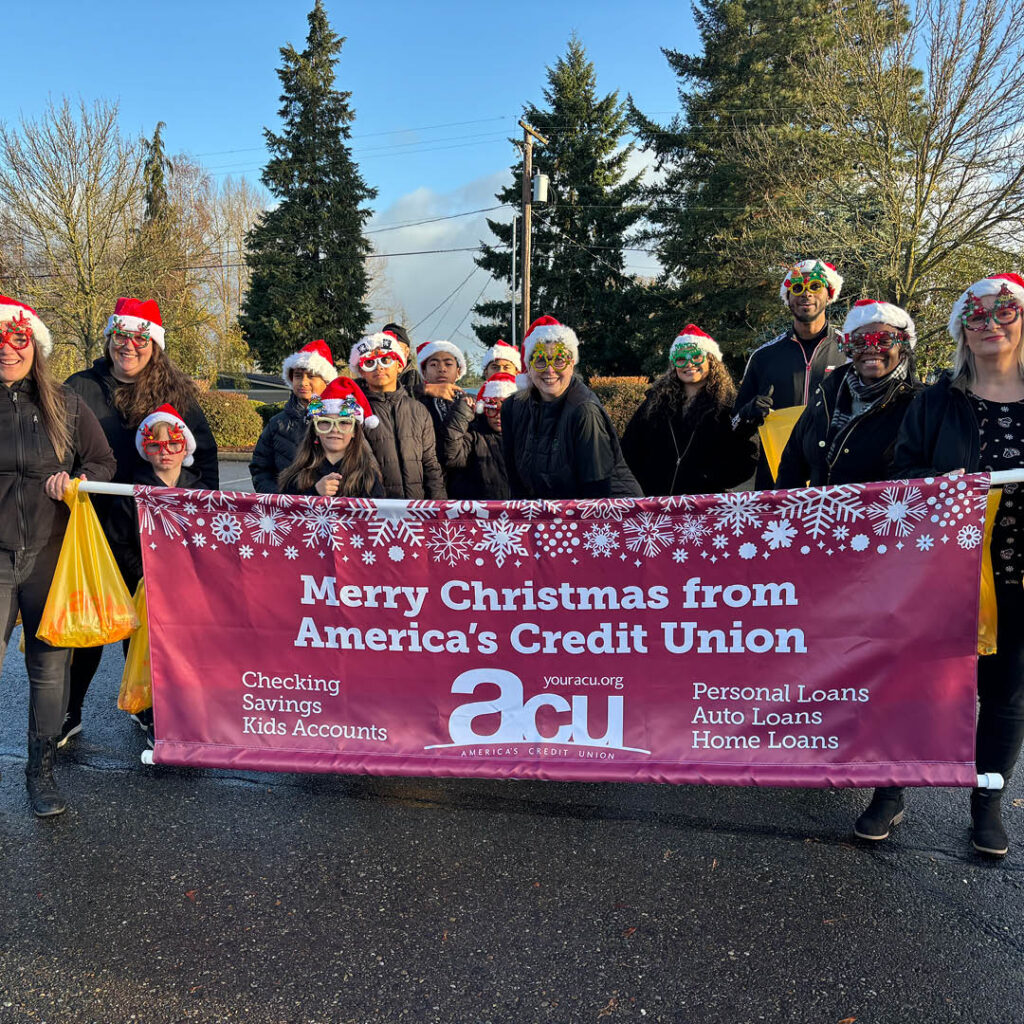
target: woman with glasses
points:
(847, 433)
(333, 459)
(973, 419)
(680, 440)
(403, 442)
(557, 438)
(133, 377)
(47, 435)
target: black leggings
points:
(1001, 688)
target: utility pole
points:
(529, 134)
(514, 219)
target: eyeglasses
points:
(340, 424)
(541, 361)
(1003, 314)
(801, 285)
(688, 357)
(370, 363)
(880, 341)
(16, 333)
(122, 342)
(491, 404)
(173, 446)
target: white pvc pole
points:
(991, 780)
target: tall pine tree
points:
(578, 268)
(307, 254)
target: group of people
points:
(398, 425)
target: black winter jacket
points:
(325, 469)
(276, 448)
(404, 446)
(686, 450)
(122, 526)
(866, 445)
(940, 432)
(563, 449)
(439, 410)
(473, 456)
(96, 386)
(29, 520)
(780, 363)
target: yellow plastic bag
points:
(136, 682)
(987, 617)
(88, 604)
(774, 434)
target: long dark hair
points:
(52, 405)
(159, 382)
(668, 395)
(358, 468)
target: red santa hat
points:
(993, 285)
(497, 386)
(433, 348)
(343, 397)
(137, 316)
(546, 330)
(315, 358)
(12, 309)
(691, 334)
(166, 414)
(503, 350)
(871, 311)
(383, 343)
(832, 277)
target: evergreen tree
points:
(154, 175)
(578, 268)
(307, 254)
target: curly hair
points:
(667, 393)
(159, 382)
(358, 468)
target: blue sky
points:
(437, 89)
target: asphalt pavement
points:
(168, 895)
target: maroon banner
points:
(814, 637)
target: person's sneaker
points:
(72, 727)
(987, 832)
(143, 719)
(150, 737)
(884, 811)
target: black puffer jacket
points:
(676, 449)
(563, 449)
(97, 385)
(862, 451)
(29, 520)
(439, 409)
(473, 457)
(940, 432)
(404, 446)
(325, 469)
(276, 448)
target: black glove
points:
(755, 412)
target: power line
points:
(446, 298)
(435, 220)
(472, 305)
(447, 308)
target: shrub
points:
(621, 397)
(232, 418)
(268, 410)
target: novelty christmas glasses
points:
(341, 424)
(876, 341)
(16, 333)
(121, 338)
(380, 359)
(689, 355)
(559, 360)
(812, 281)
(1004, 312)
(173, 444)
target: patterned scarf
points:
(857, 396)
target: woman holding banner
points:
(973, 419)
(847, 432)
(557, 438)
(133, 377)
(690, 406)
(47, 435)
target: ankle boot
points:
(43, 794)
(884, 811)
(987, 832)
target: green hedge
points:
(233, 418)
(268, 410)
(621, 397)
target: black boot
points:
(43, 794)
(884, 811)
(987, 832)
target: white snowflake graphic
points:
(680, 555)
(605, 508)
(820, 509)
(897, 510)
(369, 557)
(163, 509)
(217, 501)
(199, 540)
(779, 534)
(841, 532)
(267, 525)
(225, 528)
(719, 541)
(748, 551)
(191, 508)
(736, 511)
(502, 537)
(860, 542)
(320, 523)
(245, 551)
(679, 502)
(356, 542)
(449, 543)
(968, 536)
(648, 532)
(402, 523)
(601, 540)
(395, 553)
(692, 529)
(925, 542)
(531, 508)
(454, 509)
(291, 552)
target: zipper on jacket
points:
(850, 429)
(20, 464)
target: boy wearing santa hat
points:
(472, 448)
